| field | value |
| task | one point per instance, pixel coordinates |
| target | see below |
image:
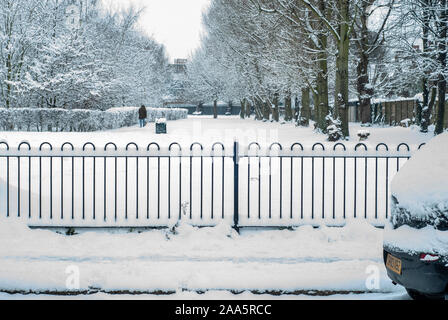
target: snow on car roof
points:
(422, 183)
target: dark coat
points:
(142, 113)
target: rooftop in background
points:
(179, 65)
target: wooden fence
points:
(393, 112)
(396, 111)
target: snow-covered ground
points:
(225, 129)
(182, 263)
(302, 262)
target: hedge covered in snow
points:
(78, 120)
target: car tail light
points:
(428, 257)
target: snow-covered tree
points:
(77, 54)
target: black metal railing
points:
(154, 186)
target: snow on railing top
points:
(218, 149)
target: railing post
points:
(236, 184)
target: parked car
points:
(416, 237)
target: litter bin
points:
(161, 126)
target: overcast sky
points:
(175, 23)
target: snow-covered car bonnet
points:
(420, 188)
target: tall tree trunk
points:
(427, 111)
(288, 108)
(440, 116)
(420, 106)
(441, 83)
(248, 108)
(365, 90)
(266, 110)
(315, 108)
(215, 109)
(341, 98)
(243, 109)
(258, 109)
(305, 110)
(276, 111)
(321, 105)
(422, 115)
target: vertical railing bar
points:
(301, 188)
(292, 187)
(126, 190)
(236, 184)
(354, 185)
(83, 189)
(147, 188)
(376, 188)
(365, 187)
(213, 180)
(169, 187)
(345, 187)
(270, 187)
(191, 187)
(94, 188)
(248, 187)
(180, 187)
(62, 188)
(223, 186)
(259, 187)
(115, 189)
(202, 184)
(323, 187)
(7, 187)
(334, 188)
(158, 187)
(387, 187)
(51, 188)
(18, 186)
(312, 188)
(281, 187)
(105, 189)
(73, 188)
(136, 187)
(29, 187)
(40, 187)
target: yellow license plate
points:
(393, 263)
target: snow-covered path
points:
(189, 260)
(207, 130)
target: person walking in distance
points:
(142, 115)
